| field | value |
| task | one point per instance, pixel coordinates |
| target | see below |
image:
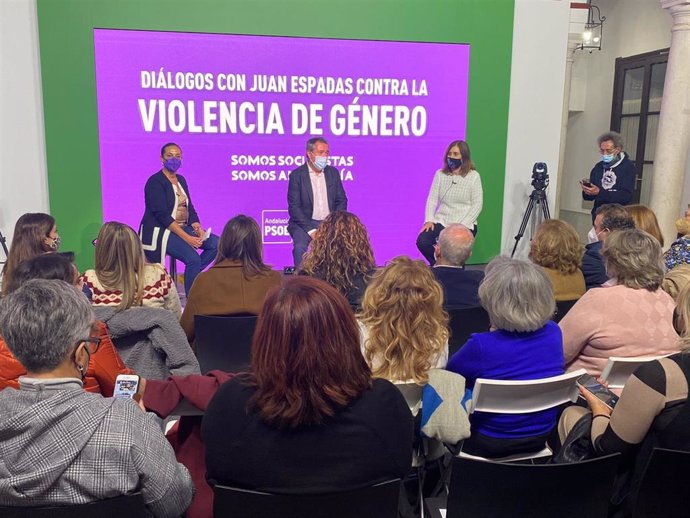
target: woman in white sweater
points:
(455, 197)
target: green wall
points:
(69, 88)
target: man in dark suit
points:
(460, 286)
(314, 191)
(608, 218)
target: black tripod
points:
(538, 198)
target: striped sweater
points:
(159, 290)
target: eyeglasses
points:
(611, 151)
(92, 344)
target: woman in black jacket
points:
(170, 224)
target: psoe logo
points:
(274, 227)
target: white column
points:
(673, 135)
(569, 60)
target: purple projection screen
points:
(242, 108)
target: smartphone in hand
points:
(586, 183)
(591, 385)
(126, 386)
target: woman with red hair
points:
(307, 418)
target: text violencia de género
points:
(247, 118)
(234, 82)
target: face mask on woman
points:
(53, 243)
(454, 163)
(172, 164)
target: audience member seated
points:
(163, 397)
(34, 234)
(679, 251)
(653, 411)
(60, 444)
(404, 329)
(556, 248)
(460, 286)
(608, 218)
(645, 219)
(237, 282)
(150, 341)
(104, 365)
(341, 255)
(633, 317)
(122, 277)
(523, 344)
(307, 418)
(675, 280)
(677, 259)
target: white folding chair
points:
(522, 397)
(618, 370)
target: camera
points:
(540, 176)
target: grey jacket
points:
(150, 341)
(60, 445)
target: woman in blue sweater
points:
(523, 344)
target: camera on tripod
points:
(540, 176)
(540, 180)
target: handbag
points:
(578, 444)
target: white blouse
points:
(455, 199)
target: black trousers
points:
(427, 240)
(486, 446)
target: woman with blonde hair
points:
(557, 249)
(645, 219)
(523, 344)
(122, 278)
(631, 317)
(341, 255)
(403, 325)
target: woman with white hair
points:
(631, 317)
(523, 344)
(82, 447)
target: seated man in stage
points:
(607, 219)
(314, 191)
(460, 286)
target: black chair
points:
(497, 490)
(664, 484)
(464, 322)
(562, 308)
(224, 343)
(129, 506)
(380, 501)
